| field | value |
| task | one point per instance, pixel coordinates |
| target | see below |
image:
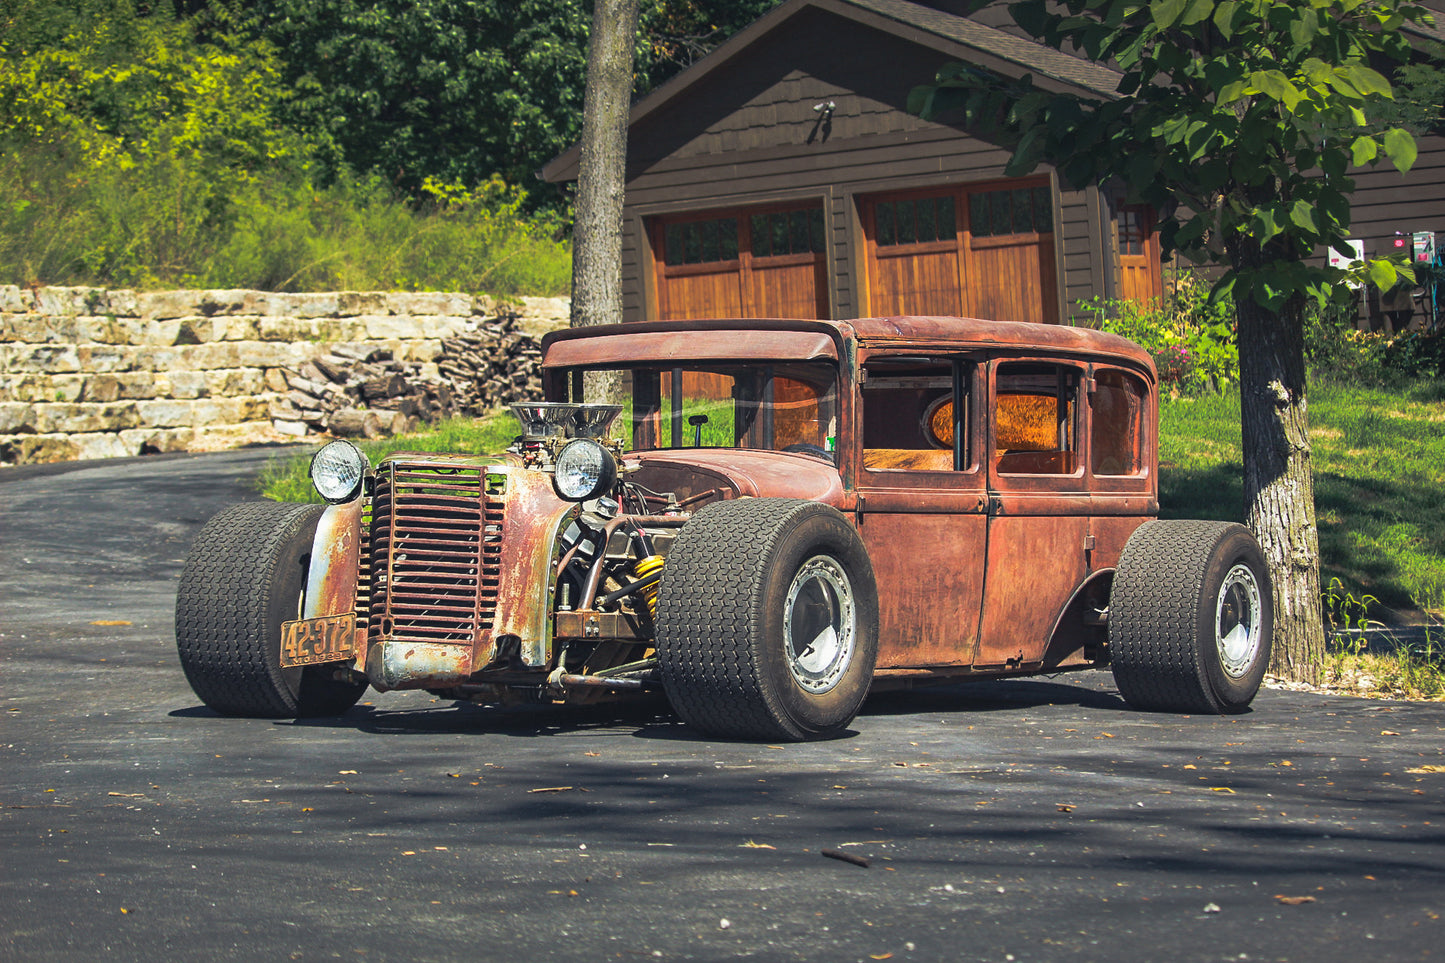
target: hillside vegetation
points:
(302, 144)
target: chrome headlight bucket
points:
(584, 470)
(338, 470)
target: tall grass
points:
(161, 222)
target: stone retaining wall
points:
(93, 373)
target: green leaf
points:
(1224, 18)
(1367, 81)
(1383, 275)
(1164, 13)
(1232, 92)
(1302, 214)
(1400, 148)
(1264, 225)
(1363, 150)
(1197, 11)
(1274, 84)
(1304, 27)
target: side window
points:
(911, 418)
(1117, 412)
(1036, 419)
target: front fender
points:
(335, 562)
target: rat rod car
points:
(801, 511)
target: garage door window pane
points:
(787, 232)
(1043, 210)
(946, 223)
(920, 220)
(701, 242)
(1025, 210)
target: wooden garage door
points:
(984, 251)
(757, 263)
(1141, 275)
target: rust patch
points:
(417, 665)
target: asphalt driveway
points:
(1021, 820)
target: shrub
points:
(1338, 352)
(1190, 336)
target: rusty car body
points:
(792, 513)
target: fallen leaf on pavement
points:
(553, 789)
(752, 845)
(1429, 768)
(1292, 900)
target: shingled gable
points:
(953, 36)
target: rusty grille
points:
(435, 553)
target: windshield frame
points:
(776, 405)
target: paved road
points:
(1024, 820)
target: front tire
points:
(1191, 618)
(245, 575)
(767, 620)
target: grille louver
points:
(435, 553)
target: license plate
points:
(330, 638)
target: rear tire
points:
(767, 620)
(1191, 618)
(245, 575)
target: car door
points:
(921, 504)
(1038, 505)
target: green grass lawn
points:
(288, 479)
(1379, 464)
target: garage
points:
(978, 250)
(751, 263)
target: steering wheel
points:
(803, 448)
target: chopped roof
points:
(714, 339)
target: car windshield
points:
(790, 406)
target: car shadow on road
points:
(993, 695)
(653, 719)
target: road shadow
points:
(654, 719)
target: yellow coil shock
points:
(644, 568)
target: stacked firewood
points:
(362, 391)
(492, 366)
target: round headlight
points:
(337, 470)
(584, 470)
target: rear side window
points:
(1036, 419)
(911, 414)
(1117, 411)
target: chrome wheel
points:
(1237, 621)
(819, 624)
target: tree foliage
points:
(462, 89)
(1242, 118)
(111, 83)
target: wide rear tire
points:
(767, 620)
(1191, 618)
(245, 575)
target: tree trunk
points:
(1278, 486)
(597, 229)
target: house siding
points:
(747, 134)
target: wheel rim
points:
(1237, 621)
(818, 624)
